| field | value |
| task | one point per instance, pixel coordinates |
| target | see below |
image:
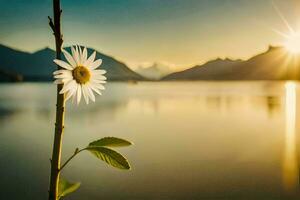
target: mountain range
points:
(274, 64)
(39, 66)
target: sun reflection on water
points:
(290, 163)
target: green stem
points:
(60, 108)
(71, 157)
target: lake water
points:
(193, 140)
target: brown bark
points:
(60, 108)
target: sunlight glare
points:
(292, 43)
(290, 164)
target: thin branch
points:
(51, 24)
(77, 151)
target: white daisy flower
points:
(80, 75)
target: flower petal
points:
(58, 81)
(94, 88)
(75, 54)
(97, 81)
(80, 55)
(67, 75)
(95, 64)
(84, 55)
(79, 89)
(85, 94)
(68, 86)
(90, 60)
(75, 95)
(99, 77)
(99, 72)
(63, 64)
(97, 85)
(90, 93)
(69, 58)
(60, 71)
(71, 92)
(62, 80)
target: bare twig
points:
(51, 24)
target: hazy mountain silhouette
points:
(274, 64)
(155, 72)
(39, 66)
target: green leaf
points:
(109, 156)
(111, 142)
(65, 187)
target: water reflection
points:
(290, 163)
(193, 140)
(224, 104)
(273, 104)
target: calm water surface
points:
(193, 140)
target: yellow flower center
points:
(81, 74)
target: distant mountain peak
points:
(47, 49)
(220, 60)
(156, 71)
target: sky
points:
(179, 33)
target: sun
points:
(292, 43)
